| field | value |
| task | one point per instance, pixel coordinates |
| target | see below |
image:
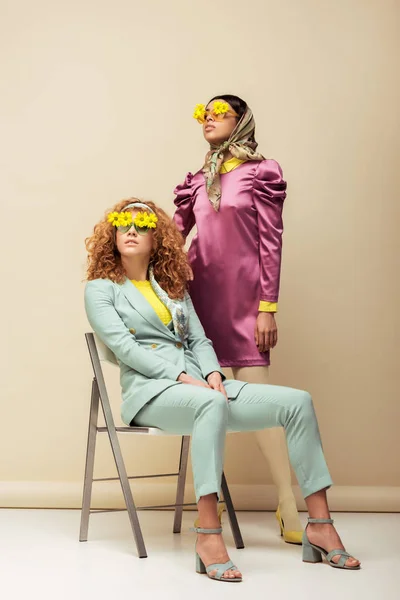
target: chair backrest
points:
(105, 354)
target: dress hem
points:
(244, 363)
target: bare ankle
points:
(320, 526)
(208, 512)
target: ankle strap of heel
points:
(328, 521)
(201, 530)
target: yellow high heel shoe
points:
(290, 537)
(220, 508)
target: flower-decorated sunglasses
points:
(143, 221)
(218, 112)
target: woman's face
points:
(217, 132)
(132, 243)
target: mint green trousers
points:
(205, 414)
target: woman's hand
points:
(266, 331)
(215, 382)
(185, 378)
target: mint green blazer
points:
(150, 357)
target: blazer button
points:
(179, 345)
(154, 345)
(133, 331)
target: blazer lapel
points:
(139, 303)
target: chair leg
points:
(112, 435)
(237, 536)
(180, 490)
(89, 466)
(123, 477)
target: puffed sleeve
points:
(184, 216)
(269, 194)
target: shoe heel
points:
(200, 568)
(310, 554)
(279, 522)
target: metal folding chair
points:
(99, 352)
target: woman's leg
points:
(265, 406)
(203, 413)
(324, 535)
(272, 443)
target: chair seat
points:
(145, 430)
(142, 430)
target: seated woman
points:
(136, 302)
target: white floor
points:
(40, 557)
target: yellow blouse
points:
(226, 167)
(230, 164)
(160, 309)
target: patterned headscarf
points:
(240, 145)
(179, 318)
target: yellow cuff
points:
(268, 306)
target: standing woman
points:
(236, 203)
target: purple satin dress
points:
(235, 255)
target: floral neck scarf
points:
(240, 145)
(179, 317)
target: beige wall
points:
(96, 105)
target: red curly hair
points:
(169, 259)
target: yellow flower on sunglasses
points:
(220, 108)
(141, 219)
(113, 218)
(199, 112)
(152, 221)
(125, 218)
